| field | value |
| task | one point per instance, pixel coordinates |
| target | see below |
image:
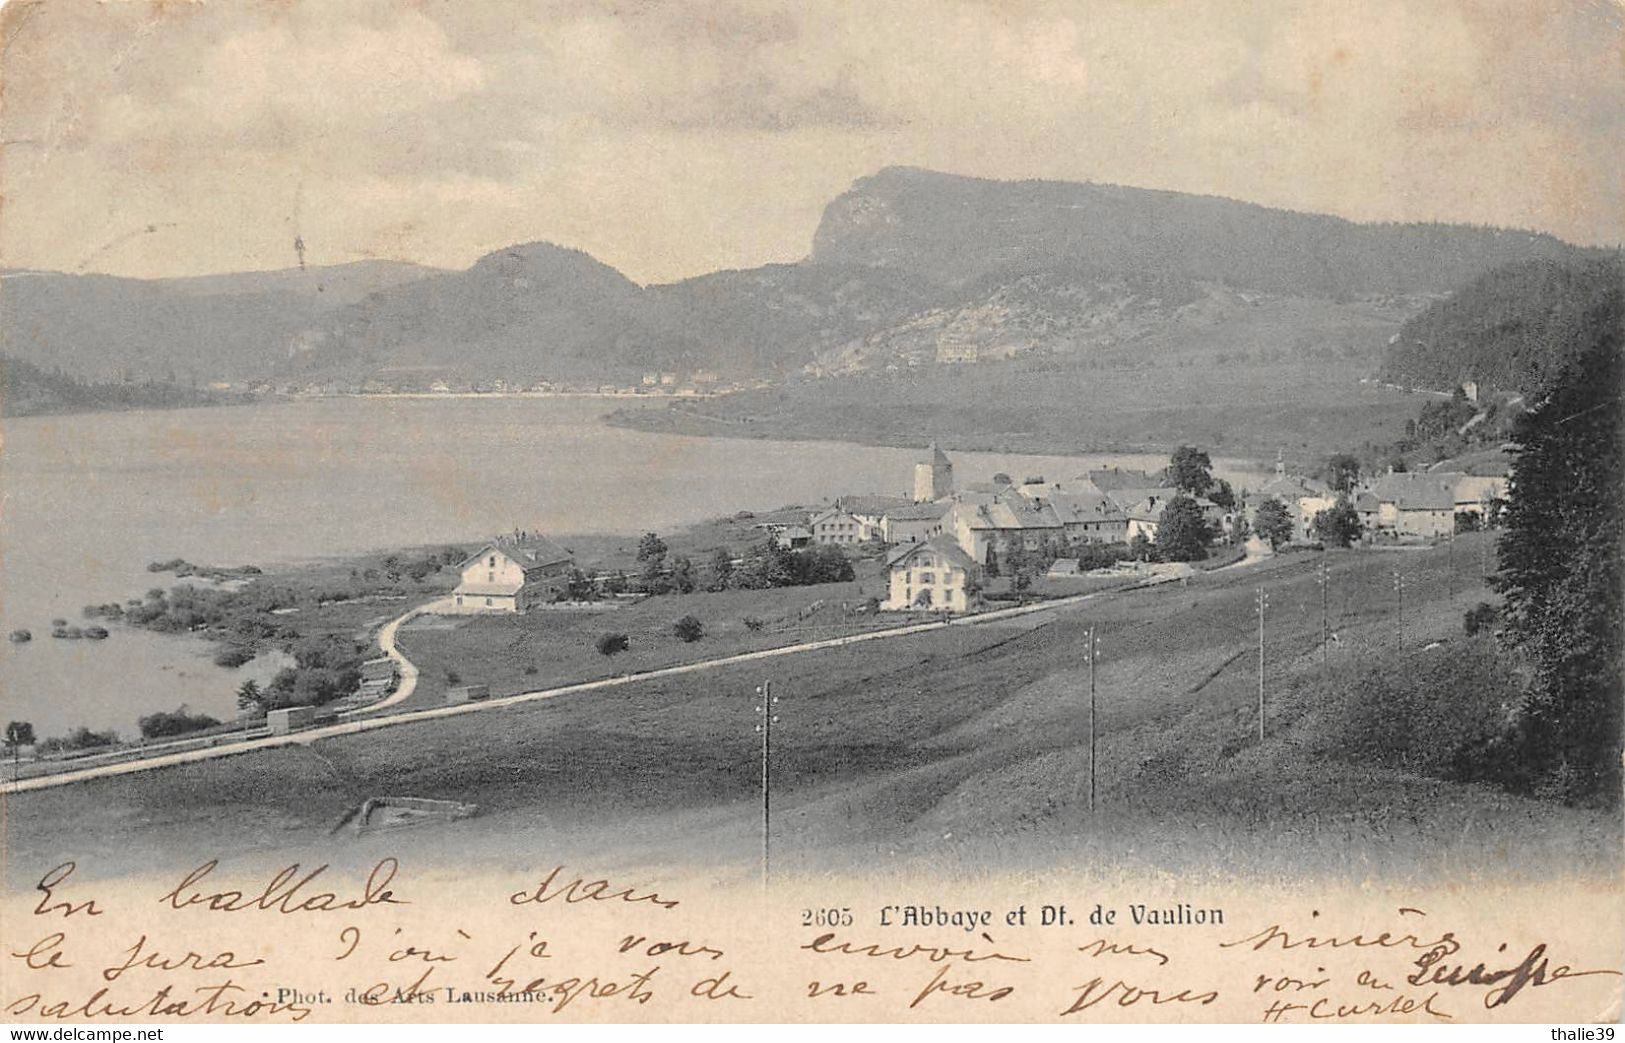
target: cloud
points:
(673, 138)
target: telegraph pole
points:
(1399, 591)
(1450, 561)
(1093, 654)
(1263, 602)
(1325, 615)
(765, 728)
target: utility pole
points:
(1092, 655)
(1450, 562)
(1325, 615)
(1263, 603)
(765, 728)
(1399, 591)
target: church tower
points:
(933, 477)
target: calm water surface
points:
(89, 500)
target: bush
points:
(163, 725)
(1481, 616)
(233, 656)
(80, 738)
(610, 644)
(689, 629)
(453, 677)
(753, 624)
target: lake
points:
(87, 501)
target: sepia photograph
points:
(544, 511)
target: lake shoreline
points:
(681, 423)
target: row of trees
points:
(767, 565)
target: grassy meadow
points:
(962, 746)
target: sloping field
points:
(967, 745)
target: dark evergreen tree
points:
(1182, 532)
(1560, 567)
(1190, 470)
(1272, 522)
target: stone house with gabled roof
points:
(1411, 504)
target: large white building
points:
(511, 575)
(931, 576)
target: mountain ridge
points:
(906, 264)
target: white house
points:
(838, 527)
(934, 575)
(511, 575)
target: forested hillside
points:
(28, 390)
(1510, 330)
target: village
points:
(527, 612)
(941, 546)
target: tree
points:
(1273, 522)
(682, 575)
(610, 644)
(1141, 548)
(1338, 525)
(1560, 564)
(579, 587)
(1182, 532)
(689, 629)
(18, 735)
(1341, 471)
(722, 567)
(1190, 470)
(250, 699)
(1223, 495)
(651, 547)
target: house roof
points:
(1008, 512)
(1416, 492)
(870, 505)
(1073, 507)
(827, 515)
(1142, 499)
(1292, 487)
(942, 545)
(530, 552)
(919, 512)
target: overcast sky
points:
(673, 139)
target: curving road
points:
(373, 721)
(387, 643)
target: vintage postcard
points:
(556, 511)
